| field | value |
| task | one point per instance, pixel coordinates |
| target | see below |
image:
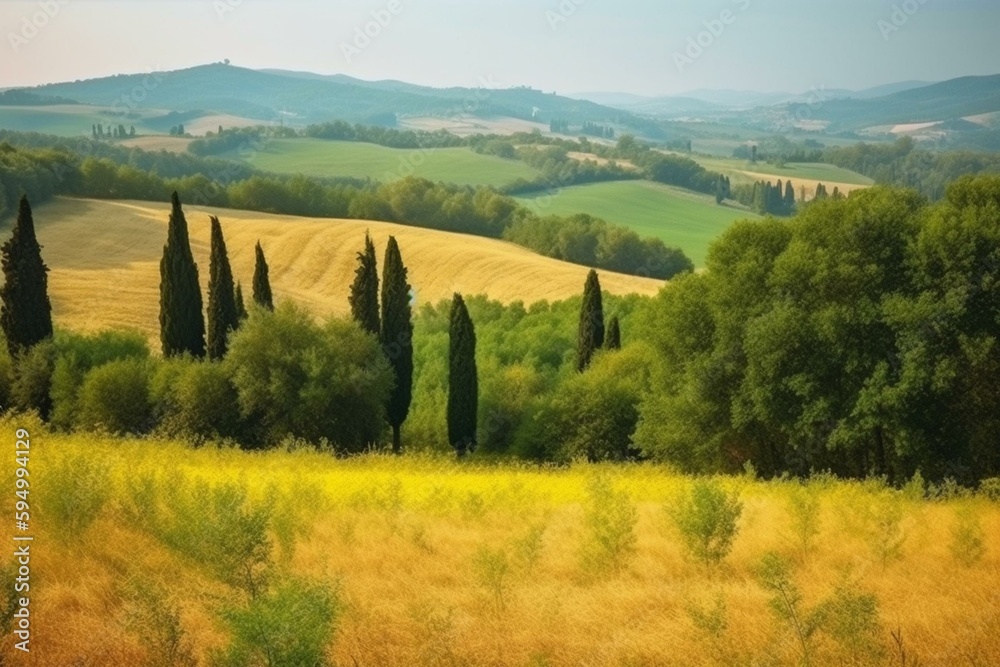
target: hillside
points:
(104, 258)
(298, 99)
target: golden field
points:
(439, 563)
(104, 259)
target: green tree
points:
(261, 282)
(182, 327)
(463, 381)
(364, 290)
(397, 337)
(590, 336)
(789, 196)
(613, 339)
(241, 307)
(223, 314)
(26, 314)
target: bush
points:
(289, 627)
(707, 521)
(115, 397)
(197, 400)
(72, 491)
(610, 519)
(311, 382)
(968, 539)
(75, 355)
(32, 381)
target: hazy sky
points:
(638, 46)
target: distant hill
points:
(948, 100)
(300, 98)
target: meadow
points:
(157, 553)
(318, 157)
(62, 120)
(112, 279)
(680, 218)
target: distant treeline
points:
(904, 164)
(113, 172)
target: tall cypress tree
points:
(241, 307)
(789, 196)
(26, 313)
(261, 281)
(223, 315)
(591, 334)
(364, 290)
(463, 380)
(182, 325)
(613, 340)
(397, 337)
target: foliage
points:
(71, 492)
(463, 379)
(288, 627)
(25, 310)
(590, 334)
(223, 316)
(707, 520)
(396, 337)
(262, 295)
(610, 519)
(182, 327)
(364, 290)
(115, 398)
(968, 539)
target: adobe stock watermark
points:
(714, 29)
(223, 7)
(366, 34)
(32, 24)
(900, 16)
(562, 13)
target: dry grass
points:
(401, 535)
(465, 125)
(104, 261)
(159, 142)
(808, 183)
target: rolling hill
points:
(319, 157)
(680, 218)
(298, 98)
(104, 259)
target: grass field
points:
(681, 218)
(316, 157)
(104, 259)
(62, 120)
(157, 553)
(824, 173)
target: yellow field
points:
(158, 142)
(104, 259)
(436, 563)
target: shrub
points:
(707, 521)
(493, 572)
(852, 619)
(77, 354)
(72, 491)
(157, 624)
(32, 380)
(200, 402)
(803, 504)
(786, 602)
(289, 627)
(115, 397)
(306, 381)
(968, 540)
(610, 519)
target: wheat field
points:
(104, 259)
(433, 562)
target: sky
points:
(645, 47)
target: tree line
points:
(42, 173)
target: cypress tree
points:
(789, 196)
(463, 381)
(591, 334)
(182, 326)
(397, 337)
(613, 340)
(241, 308)
(261, 282)
(223, 315)
(26, 313)
(364, 290)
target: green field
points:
(681, 218)
(318, 157)
(32, 119)
(813, 171)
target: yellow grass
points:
(808, 183)
(400, 537)
(159, 142)
(104, 261)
